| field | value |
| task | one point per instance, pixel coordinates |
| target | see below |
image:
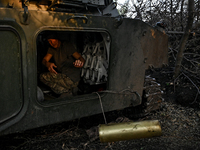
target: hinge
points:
(25, 16)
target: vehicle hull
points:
(130, 56)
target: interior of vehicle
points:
(94, 48)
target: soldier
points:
(64, 74)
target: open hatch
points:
(94, 48)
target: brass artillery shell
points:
(129, 130)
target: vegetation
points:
(182, 20)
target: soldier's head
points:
(53, 41)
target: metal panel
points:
(155, 47)
(11, 99)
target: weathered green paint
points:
(10, 60)
(19, 107)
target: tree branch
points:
(179, 56)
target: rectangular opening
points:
(93, 47)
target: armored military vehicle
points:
(117, 50)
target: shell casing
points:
(129, 130)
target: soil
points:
(179, 117)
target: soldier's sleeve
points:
(50, 51)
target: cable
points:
(102, 107)
(108, 91)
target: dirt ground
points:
(179, 117)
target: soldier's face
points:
(55, 43)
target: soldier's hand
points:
(78, 64)
(51, 67)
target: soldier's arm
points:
(79, 60)
(48, 64)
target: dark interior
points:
(84, 41)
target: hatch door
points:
(11, 98)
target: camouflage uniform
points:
(59, 83)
